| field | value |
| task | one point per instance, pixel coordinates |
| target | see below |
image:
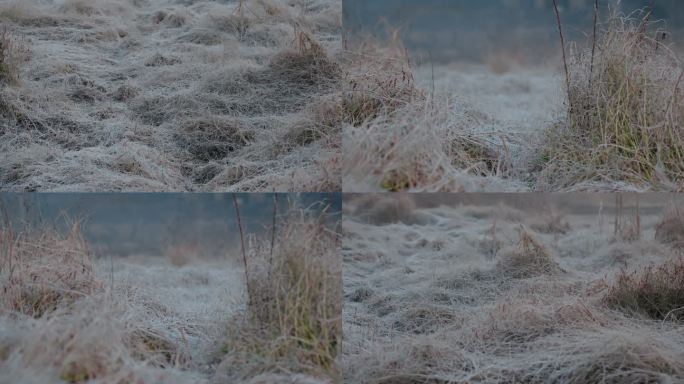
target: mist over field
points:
(462, 30)
(142, 223)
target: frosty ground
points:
(487, 293)
(180, 312)
(193, 312)
(162, 95)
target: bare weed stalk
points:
(273, 234)
(593, 40)
(242, 247)
(565, 60)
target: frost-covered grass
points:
(472, 291)
(70, 316)
(624, 111)
(293, 320)
(513, 123)
(160, 95)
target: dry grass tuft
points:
(44, 271)
(380, 81)
(413, 360)
(80, 7)
(625, 110)
(155, 348)
(13, 52)
(530, 258)
(515, 322)
(382, 210)
(399, 138)
(28, 14)
(670, 230)
(159, 60)
(99, 340)
(323, 121)
(294, 304)
(234, 24)
(657, 291)
(551, 222)
(308, 65)
(419, 147)
(212, 139)
(618, 359)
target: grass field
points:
(270, 313)
(162, 95)
(602, 116)
(513, 288)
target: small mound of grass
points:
(159, 60)
(384, 210)
(670, 230)
(529, 259)
(399, 138)
(323, 120)
(625, 112)
(424, 319)
(13, 52)
(234, 24)
(155, 349)
(411, 360)
(552, 222)
(370, 97)
(380, 82)
(657, 291)
(307, 68)
(80, 7)
(45, 271)
(212, 139)
(420, 147)
(622, 360)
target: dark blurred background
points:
(131, 223)
(468, 30)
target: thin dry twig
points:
(10, 236)
(273, 234)
(565, 60)
(593, 44)
(242, 245)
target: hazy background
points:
(571, 203)
(534, 203)
(470, 30)
(148, 223)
